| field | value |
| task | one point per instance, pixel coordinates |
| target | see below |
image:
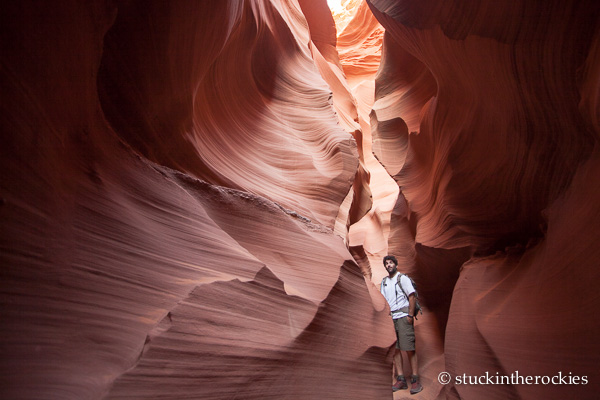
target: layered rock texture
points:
(195, 196)
(486, 115)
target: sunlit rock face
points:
(231, 97)
(486, 115)
(172, 174)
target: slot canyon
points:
(196, 197)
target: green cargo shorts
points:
(405, 334)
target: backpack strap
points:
(405, 309)
(400, 275)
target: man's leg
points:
(415, 386)
(412, 359)
(400, 383)
(398, 362)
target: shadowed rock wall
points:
(486, 115)
(172, 173)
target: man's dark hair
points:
(390, 258)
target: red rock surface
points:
(190, 206)
(169, 192)
(487, 117)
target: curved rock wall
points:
(216, 99)
(172, 173)
(486, 116)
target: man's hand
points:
(412, 302)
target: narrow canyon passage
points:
(358, 43)
(195, 197)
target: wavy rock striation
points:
(172, 174)
(486, 116)
(239, 102)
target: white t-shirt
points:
(394, 294)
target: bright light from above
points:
(336, 5)
(343, 11)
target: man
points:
(403, 312)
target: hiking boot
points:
(415, 386)
(400, 384)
